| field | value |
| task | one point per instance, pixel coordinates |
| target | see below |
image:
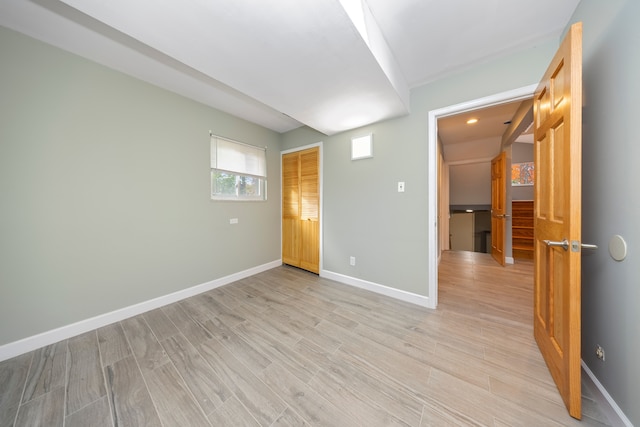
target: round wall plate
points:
(617, 248)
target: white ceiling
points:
(464, 142)
(333, 65)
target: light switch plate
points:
(401, 187)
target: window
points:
(238, 171)
(522, 173)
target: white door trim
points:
(432, 167)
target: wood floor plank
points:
(246, 353)
(233, 413)
(208, 305)
(193, 330)
(295, 363)
(591, 409)
(274, 327)
(131, 404)
(144, 344)
(285, 322)
(422, 350)
(245, 298)
(538, 399)
(263, 404)
(96, 414)
(113, 344)
(160, 324)
(289, 419)
(312, 304)
(286, 347)
(85, 380)
(47, 372)
(223, 298)
(479, 404)
(400, 367)
(360, 408)
(318, 356)
(45, 410)
(173, 401)
(374, 389)
(436, 415)
(312, 407)
(205, 385)
(207, 320)
(13, 375)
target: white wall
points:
(106, 195)
(364, 215)
(470, 184)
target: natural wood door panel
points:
(301, 209)
(498, 207)
(557, 219)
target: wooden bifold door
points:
(301, 209)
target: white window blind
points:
(238, 171)
(243, 159)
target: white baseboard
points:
(16, 348)
(509, 260)
(377, 288)
(605, 399)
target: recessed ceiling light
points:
(472, 121)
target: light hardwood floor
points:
(287, 348)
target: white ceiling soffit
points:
(330, 64)
(482, 140)
(304, 58)
(62, 26)
(479, 150)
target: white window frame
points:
(238, 162)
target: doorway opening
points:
(437, 205)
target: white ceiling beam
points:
(304, 58)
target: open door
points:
(557, 217)
(498, 206)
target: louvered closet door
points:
(301, 209)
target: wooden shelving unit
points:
(522, 228)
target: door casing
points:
(519, 94)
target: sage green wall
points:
(470, 184)
(104, 185)
(610, 201)
(364, 215)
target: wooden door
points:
(557, 217)
(498, 206)
(301, 209)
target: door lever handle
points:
(564, 244)
(588, 246)
(575, 245)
